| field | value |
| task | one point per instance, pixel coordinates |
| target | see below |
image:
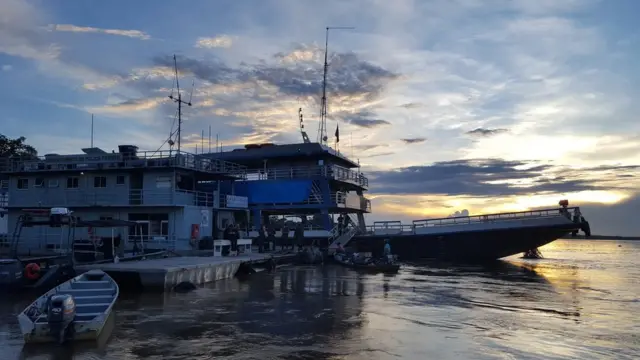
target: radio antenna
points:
(322, 129)
(178, 99)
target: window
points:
(54, 183)
(39, 182)
(120, 180)
(164, 228)
(23, 184)
(100, 182)
(72, 182)
(106, 217)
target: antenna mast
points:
(322, 129)
(179, 100)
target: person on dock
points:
(284, 238)
(262, 238)
(271, 237)
(233, 237)
(298, 235)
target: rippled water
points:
(581, 302)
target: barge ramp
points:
(164, 274)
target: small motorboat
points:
(386, 265)
(72, 311)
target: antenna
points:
(322, 129)
(92, 130)
(305, 137)
(179, 100)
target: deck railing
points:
(398, 227)
(142, 159)
(120, 197)
(305, 172)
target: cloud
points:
(486, 132)
(363, 119)
(6, 67)
(222, 41)
(87, 29)
(19, 35)
(497, 177)
(127, 106)
(414, 140)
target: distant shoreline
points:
(601, 237)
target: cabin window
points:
(163, 182)
(23, 184)
(39, 182)
(100, 182)
(53, 183)
(120, 180)
(72, 182)
(106, 217)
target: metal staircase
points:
(335, 237)
(316, 193)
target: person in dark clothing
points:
(271, 236)
(284, 238)
(299, 236)
(340, 224)
(262, 238)
(233, 237)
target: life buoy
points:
(32, 271)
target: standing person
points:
(284, 238)
(233, 237)
(340, 222)
(262, 238)
(271, 237)
(299, 236)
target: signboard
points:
(204, 221)
(240, 202)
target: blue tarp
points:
(275, 191)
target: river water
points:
(581, 302)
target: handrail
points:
(141, 159)
(304, 172)
(492, 217)
(398, 226)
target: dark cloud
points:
(486, 132)
(411, 105)
(487, 177)
(364, 119)
(367, 147)
(348, 74)
(414, 140)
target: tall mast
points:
(179, 100)
(322, 128)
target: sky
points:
(451, 106)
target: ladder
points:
(335, 237)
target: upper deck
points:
(294, 161)
(95, 159)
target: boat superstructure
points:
(171, 196)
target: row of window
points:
(73, 182)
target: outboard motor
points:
(60, 315)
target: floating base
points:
(165, 274)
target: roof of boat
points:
(254, 154)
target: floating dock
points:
(165, 273)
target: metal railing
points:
(4, 184)
(117, 197)
(305, 172)
(398, 227)
(142, 159)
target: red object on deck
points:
(32, 271)
(195, 231)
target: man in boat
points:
(386, 252)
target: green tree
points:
(16, 147)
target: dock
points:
(166, 273)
